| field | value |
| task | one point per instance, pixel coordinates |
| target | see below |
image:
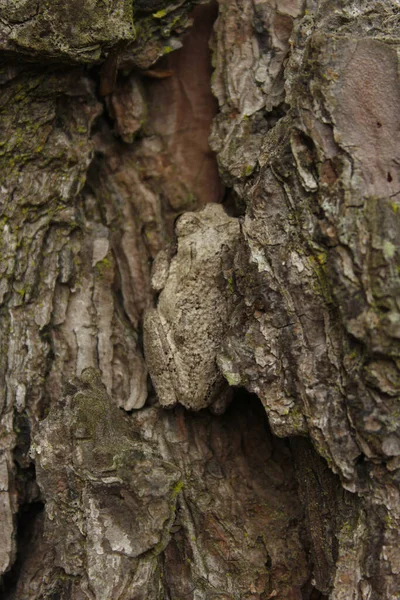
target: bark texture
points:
(269, 325)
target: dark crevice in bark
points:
(27, 518)
(309, 592)
(236, 450)
(266, 120)
(233, 204)
(326, 505)
(30, 505)
(25, 474)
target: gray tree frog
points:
(183, 334)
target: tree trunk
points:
(203, 407)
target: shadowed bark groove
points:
(272, 338)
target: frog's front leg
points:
(160, 356)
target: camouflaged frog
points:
(183, 334)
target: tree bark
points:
(200, 407)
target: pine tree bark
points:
(199, 407)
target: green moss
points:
(231, 286)
(324, 453)
(190, 199)
(247, 171)
(232, 378)
(102, 266)
(296, 418)
(22, 291)
(160, 14)
(321, 282)
(321, 258)
(178, 487)
(389, 249)
(106, 262)
(346, 528)
(389, 520)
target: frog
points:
(183, 333)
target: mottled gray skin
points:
(109, 497)
(183, 334)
